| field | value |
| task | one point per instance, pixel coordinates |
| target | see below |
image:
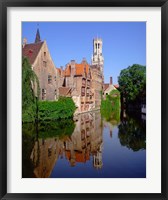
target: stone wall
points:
(46, 73)
(96, 86)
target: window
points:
(45, 57)
(83, 82)
(55, 78)
(88, 92)
(44, 64)
(88, 83)
(98, 46)
(43, 94)
(55, 94)
(83, 91)
(49, 79)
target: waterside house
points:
(83, 82)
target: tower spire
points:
(37, 39)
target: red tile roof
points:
(81, 156)
(79, 69)
(59, 71)
(106, 85)
(31, 51)
(67, 71)
(116, 86)
(68, 154)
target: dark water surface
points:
(89, 148)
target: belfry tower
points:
(97, 58)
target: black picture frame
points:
(3, 95)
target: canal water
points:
(90, 147)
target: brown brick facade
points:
(82, 82)
(42, 64)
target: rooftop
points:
(31, 51)
(80, 69)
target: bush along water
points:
(64, 108)
(34, 110)
(110, 107)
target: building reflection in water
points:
(86, 142)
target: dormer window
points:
(30, 52)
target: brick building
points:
(96, 85)
(97, 57)
(40, 59)
(81, 81)
(77, 78)
(108, 87)
(97, 71)
(85, 82)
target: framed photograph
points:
(83, 98)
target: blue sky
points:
(124, 43)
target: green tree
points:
(132, 81)
(29, 98)
(110, 107)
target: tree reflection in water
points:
(28, 138)
(132, 133)
(34, 136)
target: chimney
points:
(72, 67)
(111, 82)
(24, 42)
(84, 60)
(72, 62)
